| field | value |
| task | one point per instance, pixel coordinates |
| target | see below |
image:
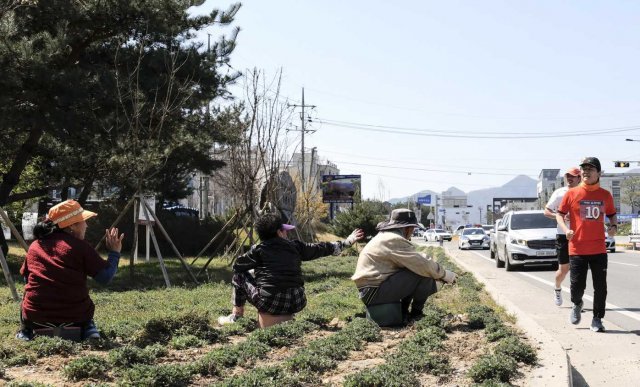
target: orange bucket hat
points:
(67, 213)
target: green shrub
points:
(128, 355)
(262, 377)
(336, 347)
(365, 215)
(2, 371)
(387, 375)
(27, 384)
(156, 375)
(241, 326)
(497, 367)
(479, 316)
(433, 317)
(496, 330)
(430, 339)
(415, 358)
(21, 359)
(156, 350)
(515, 348)
(282, 335)
(47, 346)
(7, 351)
(363, 329)
(307, 360)
(251, 350)
(86, 367)
(161, 330)
(186, 341)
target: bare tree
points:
(255, 159)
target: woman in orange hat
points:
(56, 296)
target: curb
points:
(554, 365)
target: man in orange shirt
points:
(587, 205)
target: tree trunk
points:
(86, 190)
(22, 158)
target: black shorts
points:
(562, 249)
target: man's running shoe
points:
(596, 325)
(576, 311)
(226, 320)
(558, 297)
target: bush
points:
(128, 355)
(479, 316)
(515, 348)
(308, 360)
(21, 359)
(27, 384)
(186, 341)
(47, 346)
(161, 330)
(263, 377)
(282, 335)
(387, 375)
(159, 375)
(363, 329)
(86, 367)
(497, 367)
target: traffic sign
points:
(424, 199)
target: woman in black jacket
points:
(277, 286)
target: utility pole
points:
(303, 130)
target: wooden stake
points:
(118, 219)
(8, 277)
(155, 244)
(224, 228)
(166, 235)
(14, 231)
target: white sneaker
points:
(558, 297)
(226, 320)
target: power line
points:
(469, 134)
(429, 169)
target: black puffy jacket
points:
(277, 262)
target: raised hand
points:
(113, 240)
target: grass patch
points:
(93, 367)
(48, 346)
(262, 377)
(156, 375)
(518, 350)
(497, 367)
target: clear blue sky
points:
(465, 67)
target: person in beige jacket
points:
(390, 269)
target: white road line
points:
(609, 306)
(621, 263)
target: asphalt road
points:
(623, 284)
(596, 359)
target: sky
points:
(430, 95)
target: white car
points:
(473, 238)
(525, 237)
(433, 235)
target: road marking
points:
(621, 263)
(609, 306)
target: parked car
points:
(473, 238)
(525, 237)
(493, 238)
(433, 234)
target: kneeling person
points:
(277, 288)
(391, 270)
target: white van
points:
(525, 237)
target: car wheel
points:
(507, 262)
(613, 250)
(499, 263)
(492, 254)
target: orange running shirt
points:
(587, 206)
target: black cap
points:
(593, 161)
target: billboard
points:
(340, 188)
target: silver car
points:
(473, 238)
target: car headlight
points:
(521, 242)
(464, 238)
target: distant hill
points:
(414, 196)
(519, 186)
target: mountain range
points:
(519, 186)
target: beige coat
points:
(387, 253)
